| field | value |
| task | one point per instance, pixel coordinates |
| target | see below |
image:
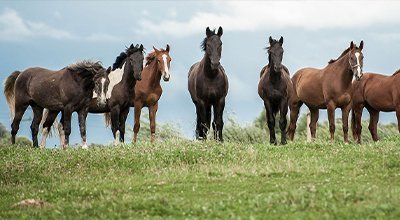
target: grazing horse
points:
(377, 93)
(208, 86)
(275, 89)
(67, 90)
(122, 80)
(327, 88)
(148, 91)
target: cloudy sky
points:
(53, 34)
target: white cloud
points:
(260, 15)
(13, 27)
(102, 37)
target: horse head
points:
(275, 53)
(356, 59)
(101, 82)
(163, 61)
(212, 45)
(135, 60)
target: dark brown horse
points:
(328, 88)
(275, 88)
(208, 86)
(148, 91)
(126, 70)
(67, 90)
(377, 93)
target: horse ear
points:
(155, 49)
(271, 40)
(281, 40)
(131, 46)
(108, 71)
(351, 45)
(220, 31)
(209, 32)
(361, 44)
(167, 48)
(141, 47)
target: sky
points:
(54, 34)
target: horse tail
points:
(353, 124)
(9, 91)
(107, 119)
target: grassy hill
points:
(189, 179)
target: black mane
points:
(119, 61)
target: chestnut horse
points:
(275, 88)
(208, 86)
(327, 88)
(67, 90)
(148, 90)
(377, 93)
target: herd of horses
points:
(134, 81)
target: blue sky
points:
(54, 34)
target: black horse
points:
(67, 90)
(275, 88)
(126, 70)
(208, 86)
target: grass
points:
(189, 179)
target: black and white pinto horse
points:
(119, 90)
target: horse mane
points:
(395, 73)
(341, 55)
(85, 66)
(119, 61)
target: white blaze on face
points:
(103, 93)
(166, 70)
(115, 77)
(357, 54)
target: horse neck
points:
(127, 77)
(85, 79)
(154, 74)
(206, 66)
(343, 69)
(273, 75)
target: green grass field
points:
(190, 179)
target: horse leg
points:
(37, 117)
(202, 114)
(152, 115)
(198, 123)
(67, 126)
(294, 115)
(61, 129)
(313, 122)
(51, 116)
(345, 122)
(218, 120)
(356, 123)
(270, 121)
(373, 123)
(331, 118)
(115, 122)
(136, 126)
(122, 119)
(19, 112)
(398, 118)
(82, 126)
(208, 119)
(283, 120)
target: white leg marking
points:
(62, 134)
(45, 133)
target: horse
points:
(377, 93)
(67, 90)
(328, 88)
(275, 88)
(148, 91)
(208, 86)
(126, 70)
